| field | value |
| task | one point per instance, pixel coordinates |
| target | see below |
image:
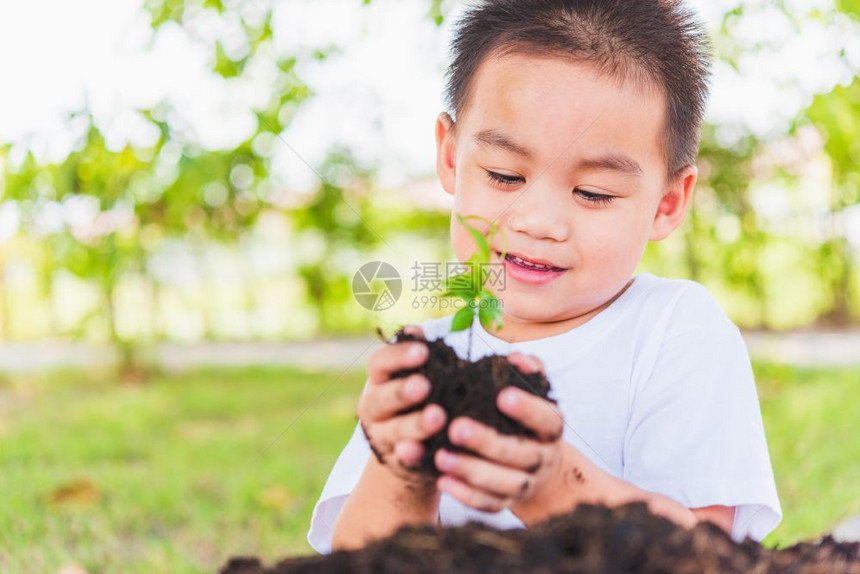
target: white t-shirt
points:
(656, 389)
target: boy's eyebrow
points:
(495, 138)
(613, 161)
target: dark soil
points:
(590, 540)
(467, 388)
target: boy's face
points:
(590, 222)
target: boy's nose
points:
(538, 216)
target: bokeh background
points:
(189, 186)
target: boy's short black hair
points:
(653, 43)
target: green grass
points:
(812, 424)
(180, 477)
(179, 466)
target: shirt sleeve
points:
(341, 481)
(695, 433)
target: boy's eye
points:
(597, 198)
(508, 180)
(503, 179)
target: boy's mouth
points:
(531, 264)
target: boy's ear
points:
(446, 166)
(673, 204)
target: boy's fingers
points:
(471, 496)
(533, 412)
(409, 452)
(385, 401)
(414, 330)
(526, 363)
(518, 360)
(513, 451)
(488, 476)
(537, 360)
(413, 426)
(392, 358)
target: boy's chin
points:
(528, 312)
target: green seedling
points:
(470, 285)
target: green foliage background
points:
(150, 200)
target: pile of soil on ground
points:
(590, 540)
(467, 388)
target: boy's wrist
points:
(381, 503)
(556, 497)
(410, 490)
(576, 480)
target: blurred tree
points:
(123, 205)
(227, 216)
(341, 217)
(81, 212)
(341, 211)
(724, 196)
(836, 115)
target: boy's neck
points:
(517, 331)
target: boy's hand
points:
(511, 469)
(396, 439)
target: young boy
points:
(577, 127)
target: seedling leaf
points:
(481, 241)
(463, 319)
(489, 311)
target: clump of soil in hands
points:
(467, 388)
(590, 540)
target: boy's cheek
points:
(473, 195)
(458, 244)
(461, 241)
